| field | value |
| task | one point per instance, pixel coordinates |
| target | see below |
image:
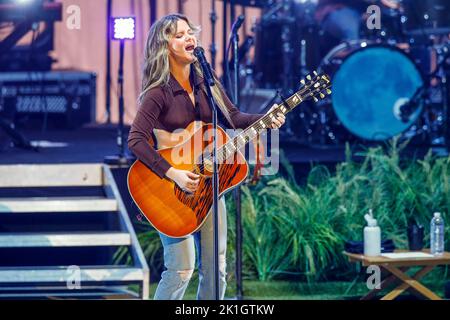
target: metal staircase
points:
(60, 227)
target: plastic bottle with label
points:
(437, 234)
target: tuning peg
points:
(328, 91)
(315, 99)
(315, 73)
(303, 82)
(308, 77)
(322, 95)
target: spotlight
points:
(29, 2)
(124, 28)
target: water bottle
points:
(437, 234)
(372, 237)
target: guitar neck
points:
(265, 122)
(308, 91)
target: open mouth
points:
(190, 48)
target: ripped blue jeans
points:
(180, 257)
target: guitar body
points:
(169, 209)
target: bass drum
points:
(370, 82)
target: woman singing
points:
(173, 96)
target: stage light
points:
(28, 4)
(124, 28)
(25, 2)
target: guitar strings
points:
(236, 145)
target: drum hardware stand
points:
(422, 94)
(288, 51)
(286, 35)
(319, 131)
(444, 53)
(303, 66)
(325, 131)
(234, 42)
(421, 97)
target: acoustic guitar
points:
(177, 213)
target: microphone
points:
(237, 24)
(406, 111)
(199, 53)
(404, 108)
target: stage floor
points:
(89, 144)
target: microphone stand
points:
(237, 194)
(122, 158)
(213, 47)
(215, 187)
(209, 80)
(233, 90)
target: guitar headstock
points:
(315, 86)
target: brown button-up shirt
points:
(170, 108)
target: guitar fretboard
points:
(308, 91)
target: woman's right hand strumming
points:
(186, 180)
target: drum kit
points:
(391, 81)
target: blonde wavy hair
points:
(156, 69)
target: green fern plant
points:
(297, 231)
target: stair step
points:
(52, 175)
(18, 240)
(65, 274)
(28, 205)
(100, 293)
